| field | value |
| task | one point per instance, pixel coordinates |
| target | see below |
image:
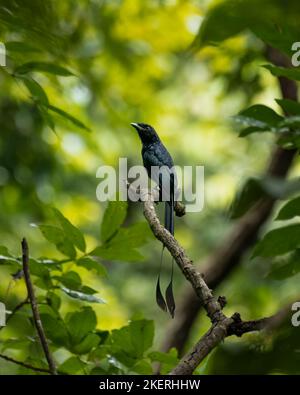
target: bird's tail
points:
(170, 295)
(169, 216)
(169, 225)
(168, 303)
(159, 296)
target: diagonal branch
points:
(218, 332)
(222, 326)
(35, 310)
(24, 364)
(211, 305)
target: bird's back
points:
(156, 154)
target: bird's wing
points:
(162, 167)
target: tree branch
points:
(35, 310)
(205, 345)
(218, 332)
(211, 305)
(222, 326)
(24, 364)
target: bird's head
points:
(146, 132)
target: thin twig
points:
(35, 310)
(24, 364)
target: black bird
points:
(159, 165)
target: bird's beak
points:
(135, 125)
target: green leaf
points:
(290, 210)
(55, 330)
(142, 367)
(47, 117)
(229, 18)
(100, 353)
(20, 46)
(251, 192)
(226, 15)
(81, 323)
(7, 259)
(70, 230)
(170, 357)
(88, 290)
(72, 365)
(123, 246)
(35, 89)
(4, 251)
(87, 344)
(16, 344)
(66, 248)
(255, 189)
(69, 117)
(70, 279)
(120, 346)
(128, 344)
(252, 129)
(291, 107)
(118, 254)
(292, 122)
(56, 236)
(82, 296)
(91, 264)
(141, 334)
(279, 241)
(44, 67)
(167, 360)
(285, 267)
(51, 233)
(98, 371)
(134, 236)
(113, 218)
(38, 269)
(291, 73)
(258, 118)
(53, 300)
(51, 264)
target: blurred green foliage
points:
(77, 74)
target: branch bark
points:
(211, 305)
(222, 326)
(218, 333)
(35, 310)
(24, 364)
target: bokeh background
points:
(132, 62)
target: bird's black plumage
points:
(159, 165)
